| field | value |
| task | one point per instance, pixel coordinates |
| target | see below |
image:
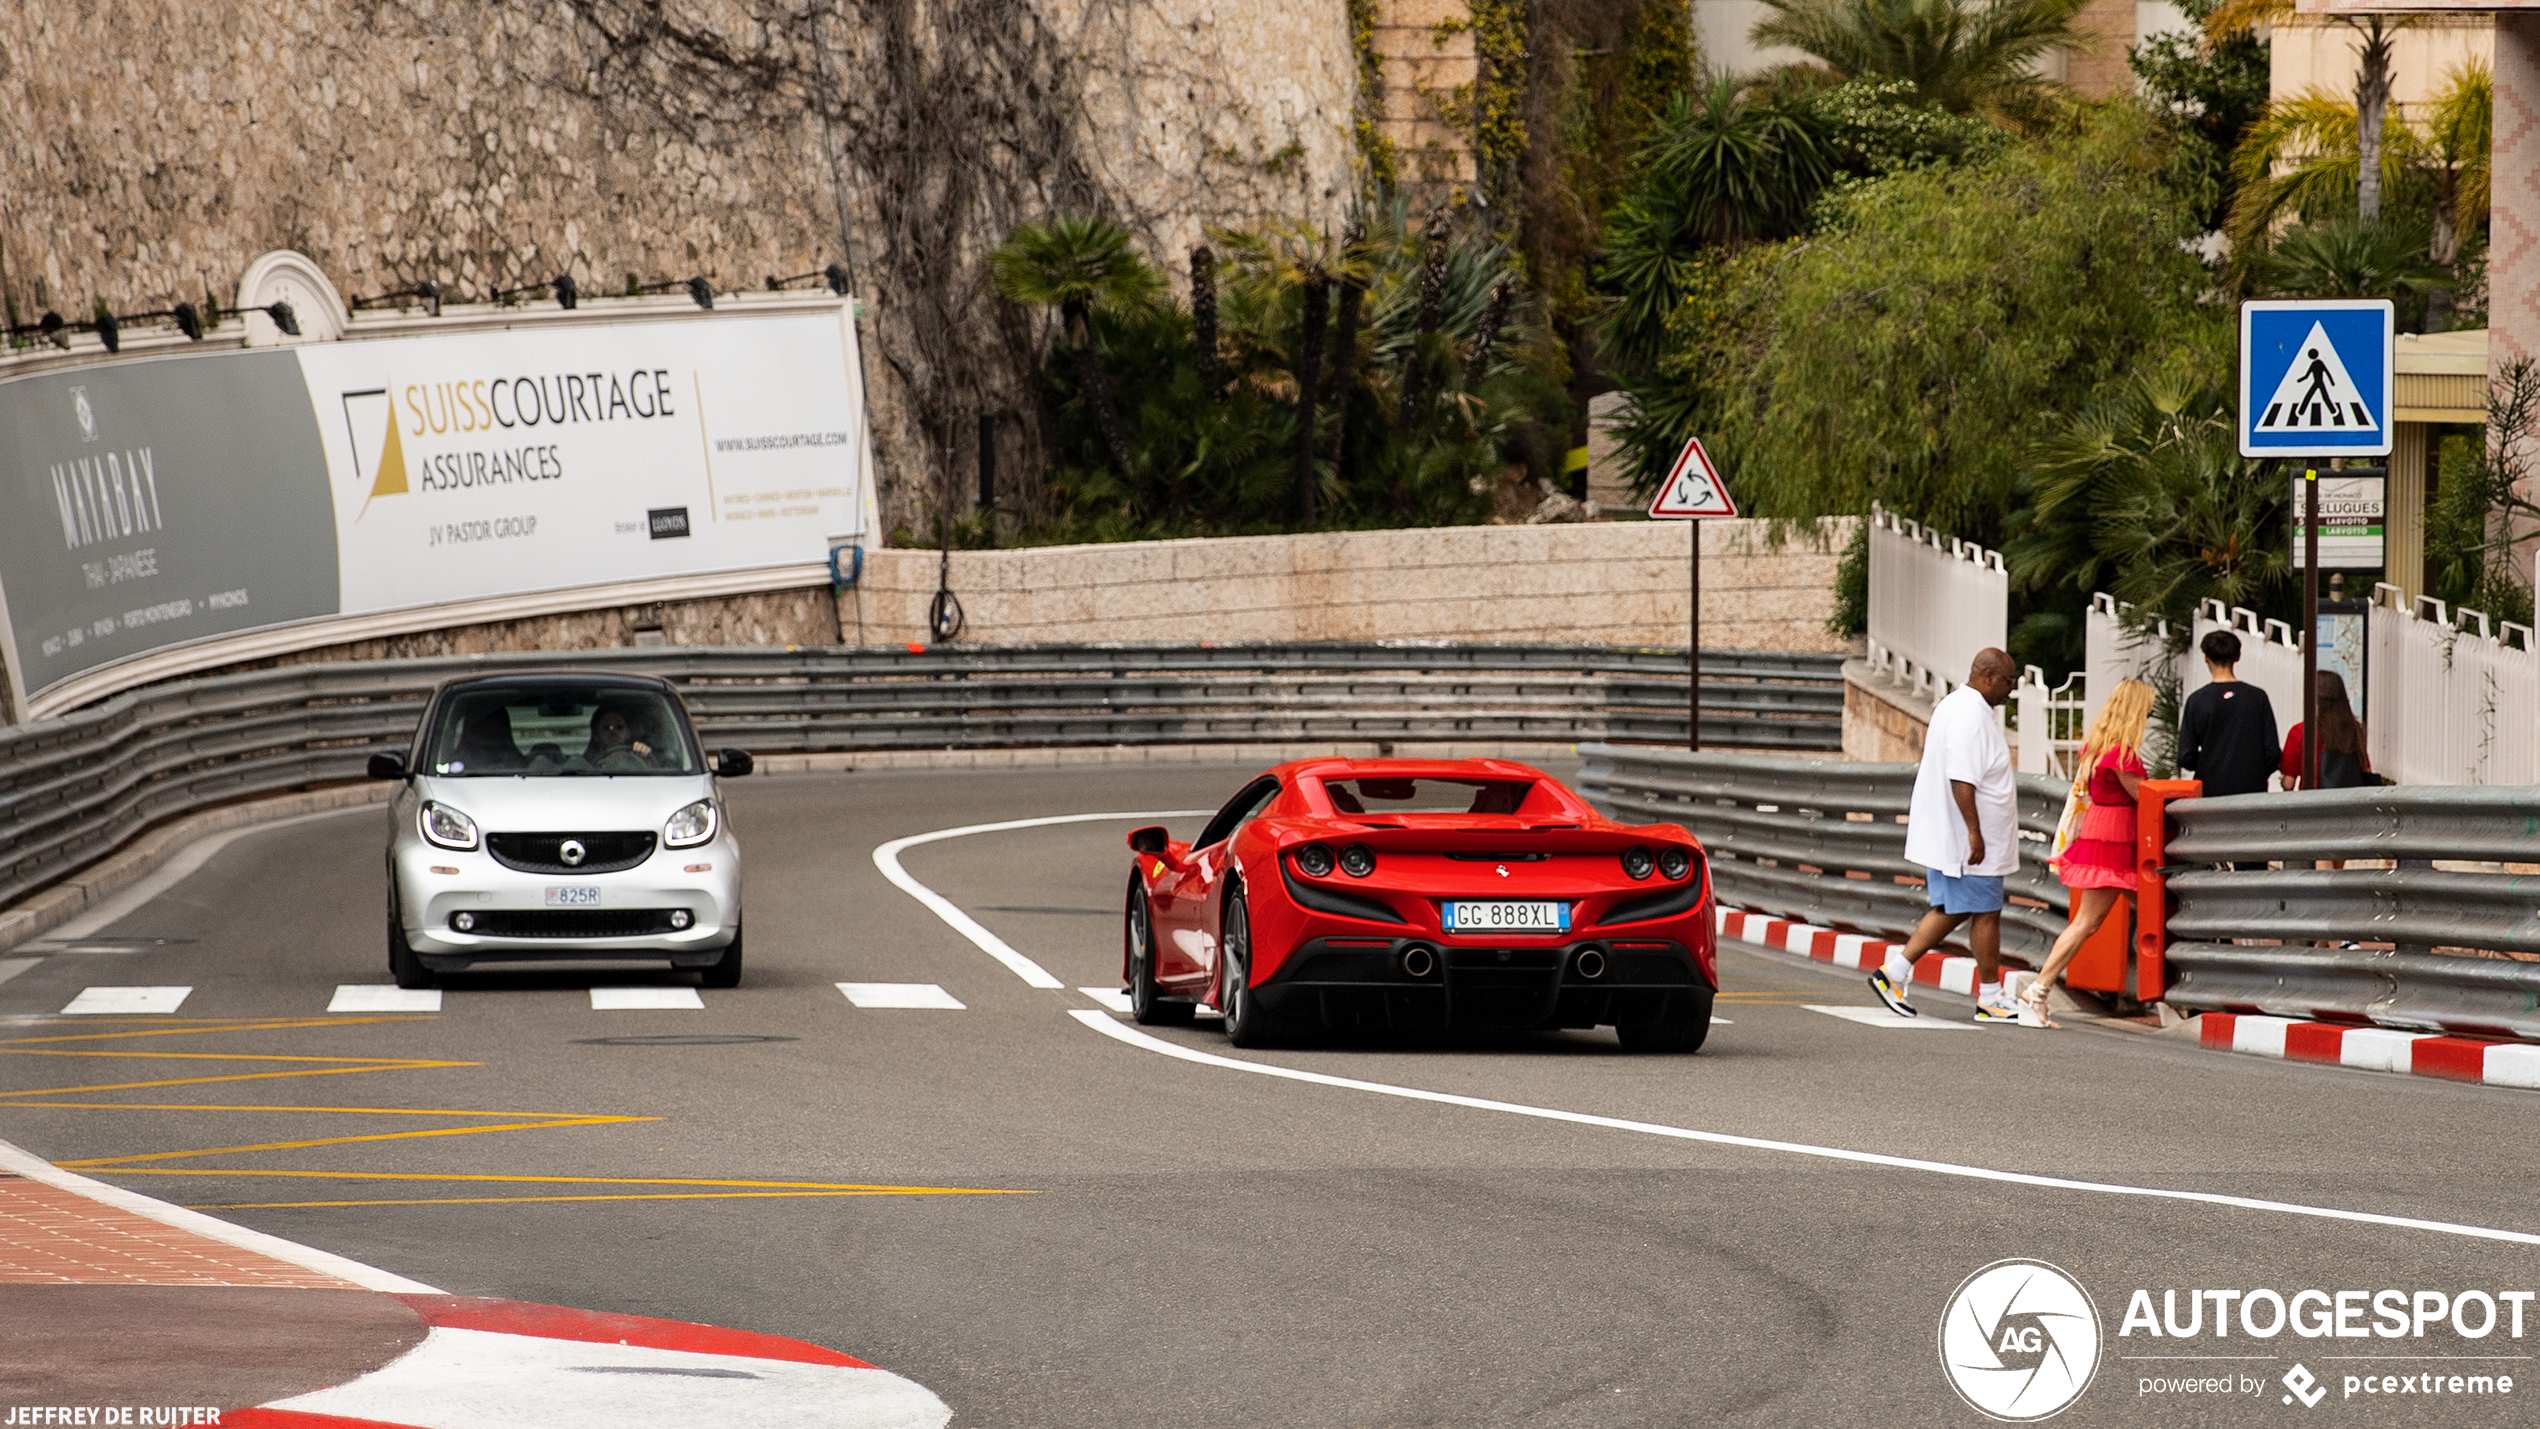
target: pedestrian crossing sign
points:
(1693, 488)
(2315, 377)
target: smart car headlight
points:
(447, 827)
(692, 825)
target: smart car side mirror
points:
(388, 764)
(733, 763)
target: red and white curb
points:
(2379, 1049)
(508, 1364)
(1844, 950)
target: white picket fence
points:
(1934, 602)
(2451, 702)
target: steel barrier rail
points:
(1819, 841)
(75, 787)
(2422, 992)
(2475, 823)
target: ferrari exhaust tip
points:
(1590, 963)
(1419, 960)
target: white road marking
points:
(887, 859)
(11, 967)
(641, 999)
(1115, 998)
(1881, 1017)
(899, 994)
(1722, 1022)
(128, 999)
(384, 997)
(1107, 1026)
(477, 1379)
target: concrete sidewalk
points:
(119, 1309)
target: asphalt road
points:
(1202, 1244)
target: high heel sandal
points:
(2033, 1007)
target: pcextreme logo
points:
(2020, 1341)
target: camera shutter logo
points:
(2020, 1341)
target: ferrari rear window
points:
(1427, 796)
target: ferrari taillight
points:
(1638, 861)
(1315, 860)
(1674, 862)
(1358, 860)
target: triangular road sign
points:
(2316, 393)
(1693, 489)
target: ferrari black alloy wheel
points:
(1147, 1004)
(1246, 1024)
(1681, 1028)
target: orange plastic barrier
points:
(2151, 890)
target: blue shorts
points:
(1972, 893)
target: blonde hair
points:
(2119, 726)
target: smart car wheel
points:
(403, 964)
(1681, 1028)
(1246, 1024)
(725, 971)
(1147, 1004)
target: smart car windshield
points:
(559, 730)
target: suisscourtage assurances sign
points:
(157, 502)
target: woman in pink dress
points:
(2099, 863)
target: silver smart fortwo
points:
(560, 816)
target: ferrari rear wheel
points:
(1246, 1024)
(1681, 1028)
(1147, 1004)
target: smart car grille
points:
(571, 922)
(544, 853)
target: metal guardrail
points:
(1823, 843)
(74, 788)
(1820, 841)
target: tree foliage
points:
(1964, 56)
(1939, 321)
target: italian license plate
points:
(1505, 916)
(582, 895)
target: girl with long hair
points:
(2099, 863)
(2343, 762)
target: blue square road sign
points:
(2315, 377)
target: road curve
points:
(1050, 1218)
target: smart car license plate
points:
(577, 896)
(1502, 916)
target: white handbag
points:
(2068, 828)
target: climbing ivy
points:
(1499, 93)
(1375, 151)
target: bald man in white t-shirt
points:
(1964, 829)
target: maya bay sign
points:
(163, 501)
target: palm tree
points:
(2372, 79)
(2146, 496)
(1962, 55)
(2460, 141)
(2345, 257)
(1736, 166)
(1276, 261)
(2303, 156)
(1084, 267)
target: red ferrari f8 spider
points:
(1417, 893)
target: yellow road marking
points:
(167, 1027)
(346, 1110)
(549, 1180)
(647, 1196)
(105, 1161)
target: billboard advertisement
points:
(154, 503)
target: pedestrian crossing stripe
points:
(2317, 393)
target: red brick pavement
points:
(49, 1236)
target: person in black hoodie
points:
(2227, 731)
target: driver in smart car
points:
(617, 745)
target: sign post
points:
(1693, 491)
(2315, 380)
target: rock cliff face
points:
(154, 149)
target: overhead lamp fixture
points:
(567, 295)
(52, 327)
(698, 289)
(284, 318)
(701, 293)
(835, 275)
(188, 321)
(109, 331)
(428, 292)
